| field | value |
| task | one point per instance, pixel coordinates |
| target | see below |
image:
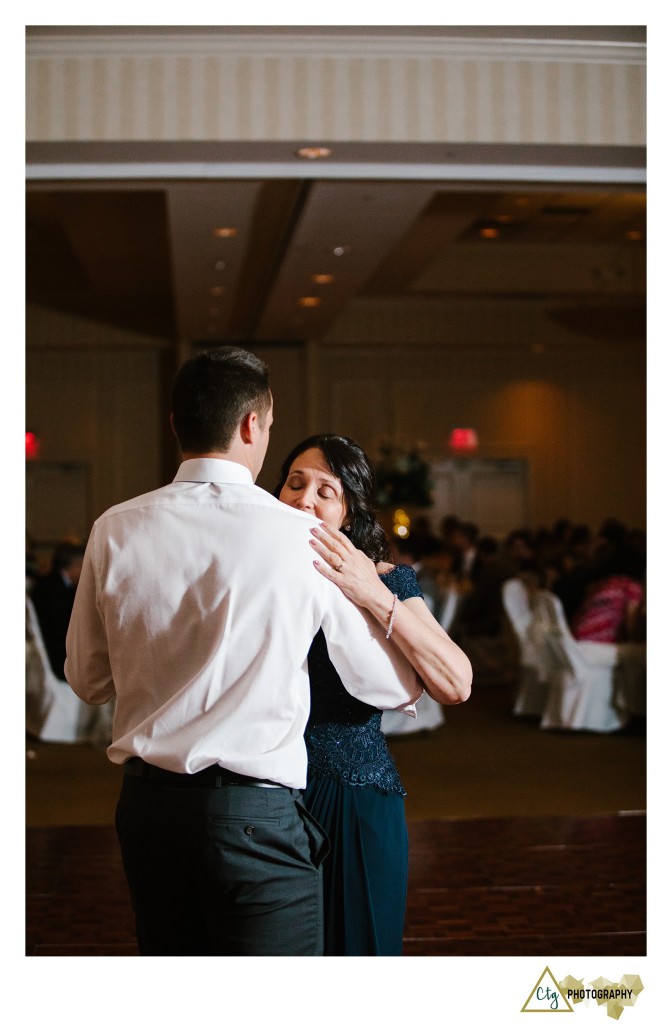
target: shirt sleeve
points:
(87, 663)
(371, 668)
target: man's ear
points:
(172, 424)
(249, 426)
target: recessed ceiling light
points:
(489, 232)
(308, 301)
(340, 250)
(225, 232)
(322, 278)
(313, 152)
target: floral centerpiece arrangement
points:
(403, 475)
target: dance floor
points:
(480, 887)
(523, 842)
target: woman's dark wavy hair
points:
(351, 465)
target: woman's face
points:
(312, 487)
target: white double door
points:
(492, 493)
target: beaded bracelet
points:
(390, 625)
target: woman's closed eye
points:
(325, 491)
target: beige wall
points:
(577, 415)
(215, 84)
(97, 395)
(575, 412)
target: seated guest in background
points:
(458, 539)
(447, 534)
(420, 552)
(533, 575)
(53, 596)
(573, 570)
(561, 533)
(481, 611)
(519, 548)
(611, 533)
(354, 790)
(465, 536)
(32, 570)
(610, 609)
(421, 527)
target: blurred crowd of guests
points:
(52, 591)
(599, 575)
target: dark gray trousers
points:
(229, 871)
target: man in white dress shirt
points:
(196, 607)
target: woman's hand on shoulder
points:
(348, 567)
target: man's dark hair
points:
(213, 392)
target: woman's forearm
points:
(443, 667)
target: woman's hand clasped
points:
(345, 565)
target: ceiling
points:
(127, 234)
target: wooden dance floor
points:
(498, 887)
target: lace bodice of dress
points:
(343, 734)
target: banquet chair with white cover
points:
(446, 613)
(54, 713)
(534, 668)
(630, 679)
(581, 683)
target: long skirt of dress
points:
(366, 871)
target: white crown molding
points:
(218, 43)
(411, 172)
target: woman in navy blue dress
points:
(353, 786)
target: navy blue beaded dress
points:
(355, 792)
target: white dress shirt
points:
(196, 607)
